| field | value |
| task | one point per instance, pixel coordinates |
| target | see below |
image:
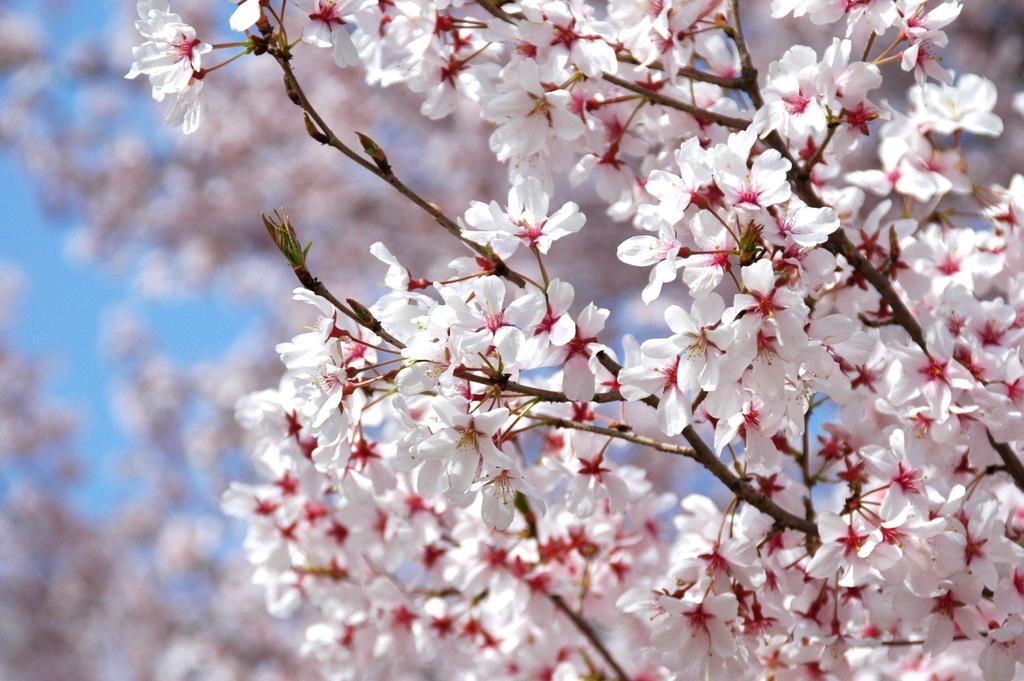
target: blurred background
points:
(140, 297)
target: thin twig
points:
(591, 635)
(703, 455)
(679, 105)
(819, 153)
(542, 394)
(319, 130)
(748, 74)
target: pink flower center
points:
(892, 536)
(494, 320)
(565, 35)
(403, 617)
(975, 548)
(926, 53)
(328, 13)
(860, 116)
(752, 419)
(593, 467)
(719, 259)
(671, 373)
(852, 541)
(991, 334)
(580, 346)
(531, 233)
(749, 196)
(698, 619)
(797, 103)
(362, 453)
(715, 561)
(907, 478)
(934, 370)
(451, 70)
(766, 305)
(495, 556)
(185, 48)
(949, 266)
(946, 605)
(329, 380)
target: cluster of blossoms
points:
(442, 479)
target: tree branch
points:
(699, 451)
(542, 394)
(591, 635)
(702, 454)
(748, 74)
(819, 153)
(696, 112)
(319, 130)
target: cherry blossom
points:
(171, 54)
(578, 355)
(760, 186)
(326, 29)
(966, 106)
(525, 220)
(464, 471)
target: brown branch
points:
(495, 10)
(743, 490)
(1014, 468)
(591, 635)
(820, 151)
(360, 315)
(748, 74)
(698, 451)
(542, 394)
(900, 643)
(620, 431)
(838, 243)
(703, 455)
(283, 234)
(696, 112)
(523, 505)
(799, 178)
(320, 131)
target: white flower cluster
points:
(443, 477)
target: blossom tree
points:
(444, 484)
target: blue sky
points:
(60, 319)
(61, 316)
